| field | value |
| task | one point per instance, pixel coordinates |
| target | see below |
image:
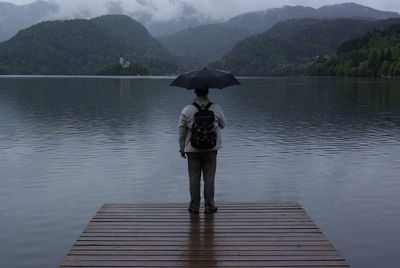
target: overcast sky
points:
(217, 9)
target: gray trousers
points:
(198, 163)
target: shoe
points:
(210, 210)
(193, 211)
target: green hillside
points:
(260, 21)
(197, 46)
(289, 47)
(375, 54)
(83, 47)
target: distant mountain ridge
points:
(198, 46)
(83, 47)
(17, 17)
(14, 18)
(260, 21)
(113, 35)
(289, 47)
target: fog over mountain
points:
(164, 10)
(161, 17)
(192, 45)
(14, 18)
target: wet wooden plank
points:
(201, 243)
(76, 261)
(209, 263)
(204, 247)
(216, 235)
(214, 239)
(271, 234)
(205, 252)
(203, 257)
(233, 204)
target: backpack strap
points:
(199, 107)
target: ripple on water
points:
(70, 146)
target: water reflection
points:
(68, 145)
(208, 238)
(82, 103)
(201, 242)
(305, 107)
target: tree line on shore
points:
(288, 48)
(376, 54)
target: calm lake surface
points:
(68, 145)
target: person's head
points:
(201, 92)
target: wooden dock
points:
(273, 234)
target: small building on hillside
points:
(123, 63)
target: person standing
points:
(199, 130)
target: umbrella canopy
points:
(205, 77)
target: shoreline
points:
(174, 76)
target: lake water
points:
(68, 145)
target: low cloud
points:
(151, 10)
(165, 10)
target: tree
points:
(321, 59)
(395, 69)
(382, 56)
(385, 68)
(389, 56)
(373, 63)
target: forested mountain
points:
(17, 17)
(353, 10)
(289, 47)
(195, 47)
(257, 22)
(375, 54)
(83, 47)
(188, 16)
(200, 45)
(14, 18)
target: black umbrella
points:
(205, 77)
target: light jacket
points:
(186, 121)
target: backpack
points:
(204, 133)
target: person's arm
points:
(182, 132)
(221, 118)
